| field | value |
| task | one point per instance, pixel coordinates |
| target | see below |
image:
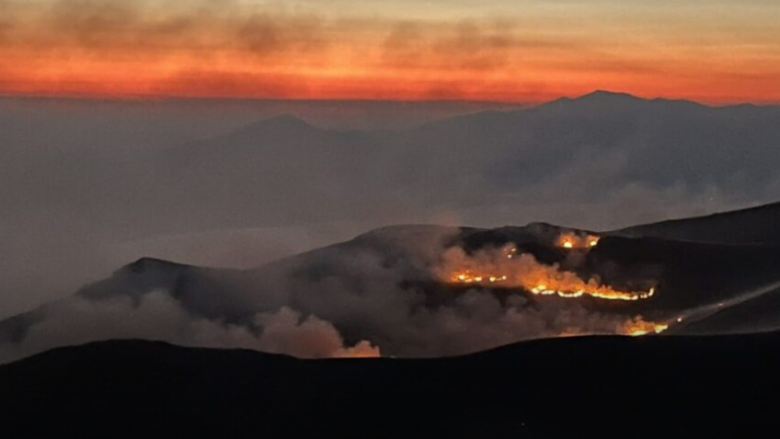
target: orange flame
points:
(570, 240)
(633, 327)
(363, 349)
(507, 268)
(638, 327)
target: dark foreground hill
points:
(605, 385)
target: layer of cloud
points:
(274, 49)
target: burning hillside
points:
(506, 268)
(413, 291)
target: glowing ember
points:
(511, 270)
(363, 349)
(576, 241)
(634, 327)
(639, 327)
(468, 278)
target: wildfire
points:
(633, 327)
(468, 278)
(575, 241)
(363, 349)
(507, 268)
(524, 271)
(639, 327)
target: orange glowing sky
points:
(717, 51)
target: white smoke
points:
(352, 300)
(158, 316)
(285, 332)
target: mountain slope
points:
(756, 314)
(757, 225)
(392, 288)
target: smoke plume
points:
(378, 293)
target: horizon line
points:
(151, 98)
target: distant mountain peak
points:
(604, 100)
(609, 96)
(602, 92)
(600, 98)
(604, 97)
(147, 264)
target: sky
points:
(718, 51)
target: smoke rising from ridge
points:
(363, 298)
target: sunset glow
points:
(527, 51)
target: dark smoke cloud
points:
(468, 46)
(206, 33)
(126, 27)
(264, 35)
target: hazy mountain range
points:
(79, 199)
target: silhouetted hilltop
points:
(757, 225)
